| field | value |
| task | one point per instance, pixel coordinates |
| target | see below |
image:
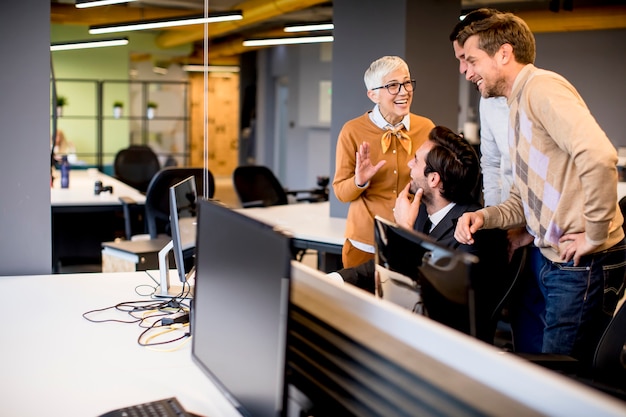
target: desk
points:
(56, 363)
(142, 254)
(81, 220)
(80, 194)
(311, 226)
(406, 364)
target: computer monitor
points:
(183, 225)
(183, 222)
(239, 309)
(422, 275)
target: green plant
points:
(118, 104)
(61, 101)
(152, 105)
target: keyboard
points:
(168, 407)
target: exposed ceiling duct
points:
(266, 18)
(254, 12)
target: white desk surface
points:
(56, 363)
(306, 221)
(312, 221)
(81, 190)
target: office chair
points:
(608, 368)
(512, 281)
(257, 186)
(418, 273)
(157, 211)
(135, 166)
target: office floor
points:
(225, 192)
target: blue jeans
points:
(562, 308)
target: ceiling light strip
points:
(211, 68)
(97, 43)
(309, 28)
(82, 4)
(287, 41)
(170, 22)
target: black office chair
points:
(135, 166)
(257, 186)
(607, 372)
(512, 281)
(157, 209)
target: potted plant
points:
(61, 102)
(151, 109)
(118, 106)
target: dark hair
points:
(499, 29)
(471, 17)
(456, 162)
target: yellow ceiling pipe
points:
(68, 14)
(254, 11)
(234, 46)
(581, 18)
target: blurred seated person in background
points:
(444, 172)
(64, 147)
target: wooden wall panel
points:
(222, 122)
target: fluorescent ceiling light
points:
(81, 4)
(159, 70)
(287, 41)
(211, 68)
(169, 22)
(96, 43)
(310, 28)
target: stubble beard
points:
(496, 90)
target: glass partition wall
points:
(100, 117)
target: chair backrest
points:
(410, 262)
(607, 362)
(157, 195)
(514, 280)
(257, 185)
(135, 166)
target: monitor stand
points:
(165, 290)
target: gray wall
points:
(25, 246)
(594, 62)
(415, 30)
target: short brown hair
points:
(456, 162)
(471, 17)
(501, 28)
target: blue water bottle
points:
(65, 172)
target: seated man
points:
(444, 172)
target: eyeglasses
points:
(394, 88)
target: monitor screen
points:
(183, 215)
(415, 271)
(239, 313)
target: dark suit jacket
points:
(489, 278)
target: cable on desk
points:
(150, 315)
(127, 307)
(163, 313)
(165, 330)
(182, 295)
(151, 290)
